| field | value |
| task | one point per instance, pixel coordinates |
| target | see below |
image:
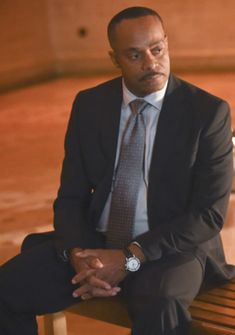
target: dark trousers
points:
(37, 282)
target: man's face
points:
(140, 50)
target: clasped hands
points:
(98, 272)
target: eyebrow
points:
(131, 49)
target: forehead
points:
(133, 33)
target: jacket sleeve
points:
(212, 179)
(71, 229)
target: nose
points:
(149, 61)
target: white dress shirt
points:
(151, 115)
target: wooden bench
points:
(213, 312)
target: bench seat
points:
(213, 312)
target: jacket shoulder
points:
(198, 94)
(92, 104)
(105, 88)
(203, 107)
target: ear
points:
(114, 59)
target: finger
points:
(86, 253)
(82, 275)
(87, 291)
(98, 292)
(96, 263)
(97, 282)
(93, 261)
(82, 290)
(86, 296)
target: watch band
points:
(127, 252)
(64, 255)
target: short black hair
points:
(130, 13)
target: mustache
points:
(149, 75)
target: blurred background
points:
(51, 49)
(46, 38)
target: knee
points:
(5, 288)
(32, 240)
(29, 241)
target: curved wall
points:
(44, 38)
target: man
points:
(144, 190)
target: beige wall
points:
(201, 33)
(25, 47)
(42, 37)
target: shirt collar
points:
(155, 99)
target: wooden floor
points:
(32, 125)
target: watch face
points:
(133, 264)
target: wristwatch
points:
(132, 262)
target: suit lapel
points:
(108, 105)
(111, 111)
(170, 130)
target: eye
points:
(157, 51)
(134, 55)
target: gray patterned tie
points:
(127, 181)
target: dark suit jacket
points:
(189, 181)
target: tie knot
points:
(138, 105)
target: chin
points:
(149, 90)
(155, 86)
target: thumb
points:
(96, 263)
